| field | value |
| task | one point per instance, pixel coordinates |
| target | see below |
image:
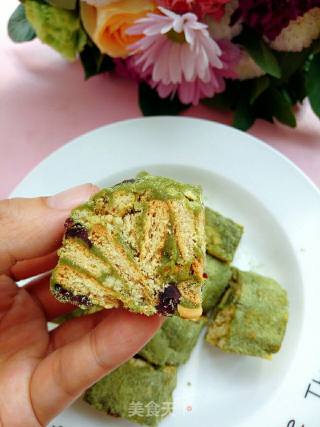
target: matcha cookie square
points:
(252, 316)
(174, 342)
(218, 277)
(136, 391)
(139, 244)
(222, 235)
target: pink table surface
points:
(44, 102)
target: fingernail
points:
(72, 197)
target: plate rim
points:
(260, 142)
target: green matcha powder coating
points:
(132, 390)
(222, 234)
(174, 342)
(215, 285)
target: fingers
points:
(29, 268)
(76, 328)
(31, 228)
(39, 289)
(67, 372)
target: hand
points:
(43, 372)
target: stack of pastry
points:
(142, 244)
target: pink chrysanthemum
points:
(201, 8)
(192, 92)
(269, 17)
(178, 56)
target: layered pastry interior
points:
(140, 244)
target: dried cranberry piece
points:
(77, 230)
(168, 300)
(205, 276)
(81, 300)
(76, 299)
(64, 293)
(68, 223)
(58, 288)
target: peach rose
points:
(99, 3)
(107, 25)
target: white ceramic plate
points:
(280, 209)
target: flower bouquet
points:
(258, 58)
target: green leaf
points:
(94, 62)
(315, 48)
(63, 4)
(243, 116)
(313, 84)
(258, 87)
(291, 62)
(152, 105)
(281, 107)
(266, 98)
(228, 100)
(220, 101)
(260, 52)
(19, 28)
(261, 113)
(296, 86)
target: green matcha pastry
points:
(222, 234)
(136, 391)
(252, 316)
(174, 342)
(219, 275)
(140, 244)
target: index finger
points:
(31, 228)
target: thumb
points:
(32, 228)
(68, 371)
